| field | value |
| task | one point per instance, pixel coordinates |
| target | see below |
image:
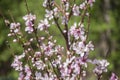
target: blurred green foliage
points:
(101, 32)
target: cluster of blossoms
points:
(43, 58)
(29, 22)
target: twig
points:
(11, 15)
(88, 26)
(27, 6)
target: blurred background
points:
(104, 32)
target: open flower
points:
(76, 11)
(43, 25)
(28, 73)
(29, 17)
(29, 22)
(101, 66)
(77, 32)
(15, 28)
(113, 77)
(91, 2)
(49, 14)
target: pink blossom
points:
(17, 64)
(21, 76)
(29, 22)
(64, 0)
(15, 27)
(64, 20)
(39, 64)
(76, 11)
(28, 73)
(91, 2)
(77, 32)
(67, 5)
(49, 14)
(113, 77)
(45, 3)
(43, 25)
(82, 6)
(29, 17)
(38, 75)
(79, 47)
(29, 26)
(101, 66)
(37, 54)
(89, 47)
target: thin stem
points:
(58, 76)
(27, 6)
(36, 36)
(88, 26)
(59, 8)
(11, 15)
(71, 11)
(99, 76)
(65, 35)
(83, 15)
(56, 22)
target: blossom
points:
(77, 32)
(101, 66)
(15, 27)
(45, 3)
(76, 67)
(64, 0)
(89, 47)
(49, 61)
(29, 22)
(64, 20)
(21, 76)
(37, 54)
(38, 75)
(29, 27)
(39, 64)
(49, 14)
(48, 49)
(65, 68)
(43, 25)
(67, 6)
(29, 17)
(28, 72)
(55, 12)
(82, 6)
(17, 64)
(91, 2)
(76, 11)
(113, 77)
(79, 48)
(57, 61)
(59, 49)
